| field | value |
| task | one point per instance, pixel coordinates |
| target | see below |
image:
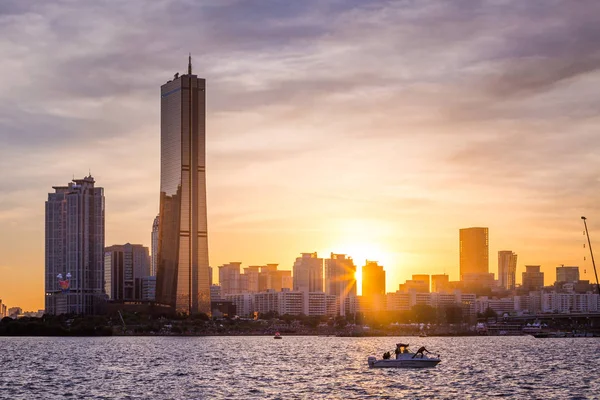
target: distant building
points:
(474, 251)
(533, 278)
(125, 266)
(308, 273)
(149, 288)
(229, 278)
(244, 303)
(215, 292)
(14, 312)
(507, 269)
(74, 276)
(154, 245)
(419, 283)
(249, 282)
(373, 287)
(270, 277)
(567, 274)
(422, 278)
(340, 279)
(440, 283)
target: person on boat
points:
(400, 348)
(421, 351)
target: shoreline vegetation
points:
(136, 324)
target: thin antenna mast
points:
(592, 254)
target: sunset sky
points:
(372, 128)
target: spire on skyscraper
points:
(190, 64)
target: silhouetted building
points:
(507, 269)
(474, 251)
(424, 279)
(533, 278)
(440, 283)
(373, 287)
(340, 279)
(154, 246)
(567, 274)
(182, 274)
(124, 268)
(75, 248)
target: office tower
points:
(125, 266)
(474, 251)
(75, 248)
(308, 273)
(182, 274)
(373, 287)
(440, 283)
(229, 278)
(507, 269)
(533, 279)
(567, 274)
(154, 246)
(340, 279)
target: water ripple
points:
(293, 368)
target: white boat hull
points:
(404, 363)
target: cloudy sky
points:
(373, 128)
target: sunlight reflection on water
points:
(295, 367)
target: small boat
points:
(404, 359)
(277, 336)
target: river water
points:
(300, 367)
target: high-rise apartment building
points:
(125, 267)
(154, 246)
(340, 279)
(533, 278)
(74, 270)
(308, 276)
(507, 269)
(270, 277)
(474, 251)
(567, 274)
(229, 278)
(308, 273)
(182, 274)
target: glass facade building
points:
(182, 280)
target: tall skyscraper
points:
(75, 248)
(154, 246)
(507, 269)
(182, 274)
(125, 267)
(340, 279)
(474, 251)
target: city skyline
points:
(313, 146)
